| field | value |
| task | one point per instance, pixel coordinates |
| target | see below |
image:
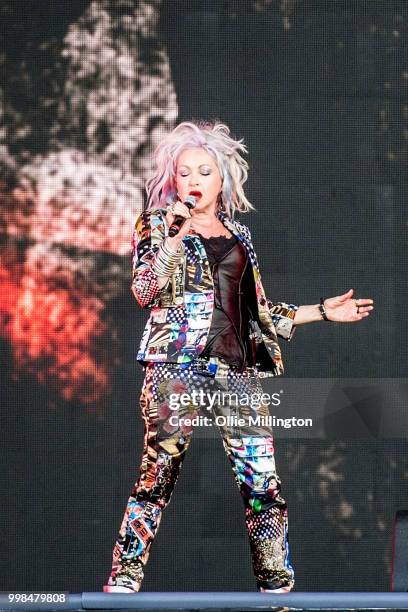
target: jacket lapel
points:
(232, 227)
(263, 310)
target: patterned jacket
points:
(181, 312)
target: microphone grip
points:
(175, 227)
(178, 219)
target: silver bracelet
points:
(170, 251)
(166, 260)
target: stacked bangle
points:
(323, 310)
(166, 260)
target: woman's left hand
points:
(346, 309)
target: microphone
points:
(175, 227)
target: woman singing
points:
(210, 329)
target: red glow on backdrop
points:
(66, 218)
(81, 118)
(54, 329)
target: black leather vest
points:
(234, 296)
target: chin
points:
(201, 205)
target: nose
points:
(194, 180)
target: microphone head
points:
(190, 201)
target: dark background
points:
(318, 91)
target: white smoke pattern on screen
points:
(113, 103)
(115, 107)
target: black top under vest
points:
(234, 301)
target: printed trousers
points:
(171, 395)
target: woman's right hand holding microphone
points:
(171, 249)
(178, 209)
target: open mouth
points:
(196, 194)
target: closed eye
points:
(203, 172)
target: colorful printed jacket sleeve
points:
(282, 317)
(282, 313)
(147, 236)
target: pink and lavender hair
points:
(215, 138)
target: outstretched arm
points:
(342, 309)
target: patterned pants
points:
(171, 395)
